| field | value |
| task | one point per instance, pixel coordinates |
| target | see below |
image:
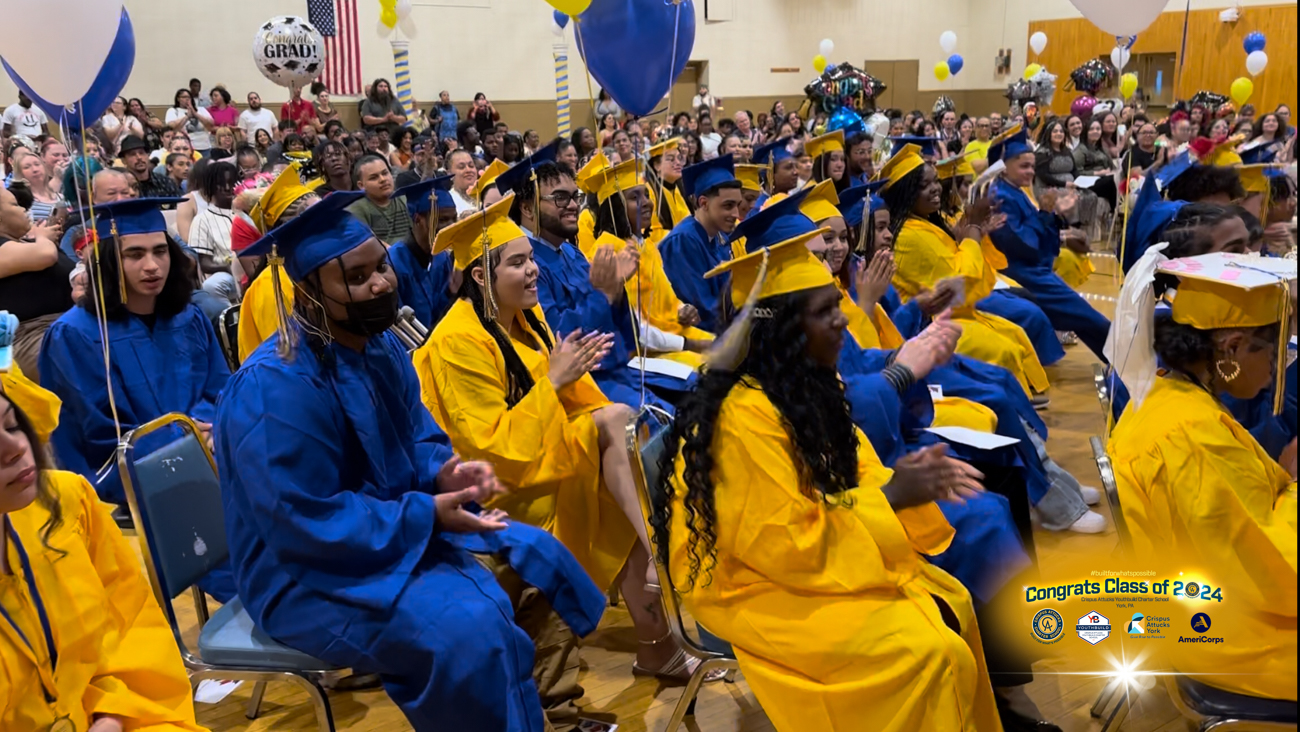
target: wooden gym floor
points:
(638, 704)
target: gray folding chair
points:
(175, 500)
(1099, 374)
(645, 445)
(1120, 711)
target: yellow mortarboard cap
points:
(622, 177)
(748, 177)
(590, 176)
(828, 143)
(479, 233)
(278, 197)
(489, 176)
(956, 166)
(658, 150)
(1224, 153)
(821, 203)
(1256, 178)
(1210, 305)
(790, 267)
(898, 166)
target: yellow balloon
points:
(819, 63)
(570, 7)
(1241, 90)
(1032, 70)
(941, 70)
(1128, 83)
(388, 17)
(388, 4)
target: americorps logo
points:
(1201, 624)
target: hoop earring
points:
(1236, 369)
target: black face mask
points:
(371, 317)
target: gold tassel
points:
(1283, 341)
(288, 336)
(489, 299)
(730, 348)
(121, 272)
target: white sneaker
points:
(1089, 523)
(1091, 496)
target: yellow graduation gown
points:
(116, 654)
(1073, 268)
(40, 405)
(545, 448)
(650, 294)
(878, 331)
(831, 609)
(995, 258)
(676, 205)
(1199, 493)
(926, 254)
(257, 316)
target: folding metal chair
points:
(175, 500)
(228, 335)
(645, 444)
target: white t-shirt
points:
(263, 119)
(110, 123)
(709, 145)
(200, 139)
(25, 121)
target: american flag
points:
(337, 21)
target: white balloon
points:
(289, 51)
(407, 26)
(383, 30)
(89, 26)
(403, 9)
(556, 30)
(1119, 56)
(1038, 41)
(1256, 62)
(827, 48)
(1121, 17)
(948, 41)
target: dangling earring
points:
(1236, 369)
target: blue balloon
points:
(561, 19)
(1254, 41)
(955, 63)
(845, 119)
(107, 85)
(628, 47)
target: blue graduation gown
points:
(688, 254)
(421, 286)
(570, 303)
(1031, 240)
(177, 366)
(1030, 318)
(328, 470)
(986, 549)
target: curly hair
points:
(1204, 181)
(519, 380)
(1183, 347)
(814, 411)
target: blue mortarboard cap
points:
(517, 174)
(1259, 153)
(323, 232)
(132, 216)
(1170, 171)
(699, 178)
(927, 144)
(772, 152)
(1017, 144)
(853, 201)
(1147, 222)
(775, 224)
(877, 203)
(420, 196)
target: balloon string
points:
(96, 273)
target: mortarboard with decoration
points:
(283, 192)
(701, 178)
(1257, 152)
(828, 143)
(957, 166)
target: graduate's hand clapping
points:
(687, 315)
(460, 483)
(929, 475)
(933, 347)
(873, 280)
(576, 355)
(609, 271)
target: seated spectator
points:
(34, 284)
(178, 169)
(28, 168)
(148, 181)
(118, 665)
(210, 232)
(382, 213)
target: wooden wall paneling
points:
(1214, 55)
(906, 94)
(883, 70)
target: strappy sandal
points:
(678, 669)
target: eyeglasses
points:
(562, 199)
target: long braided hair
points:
(901, 198)
(519, 381)
(815, 413)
